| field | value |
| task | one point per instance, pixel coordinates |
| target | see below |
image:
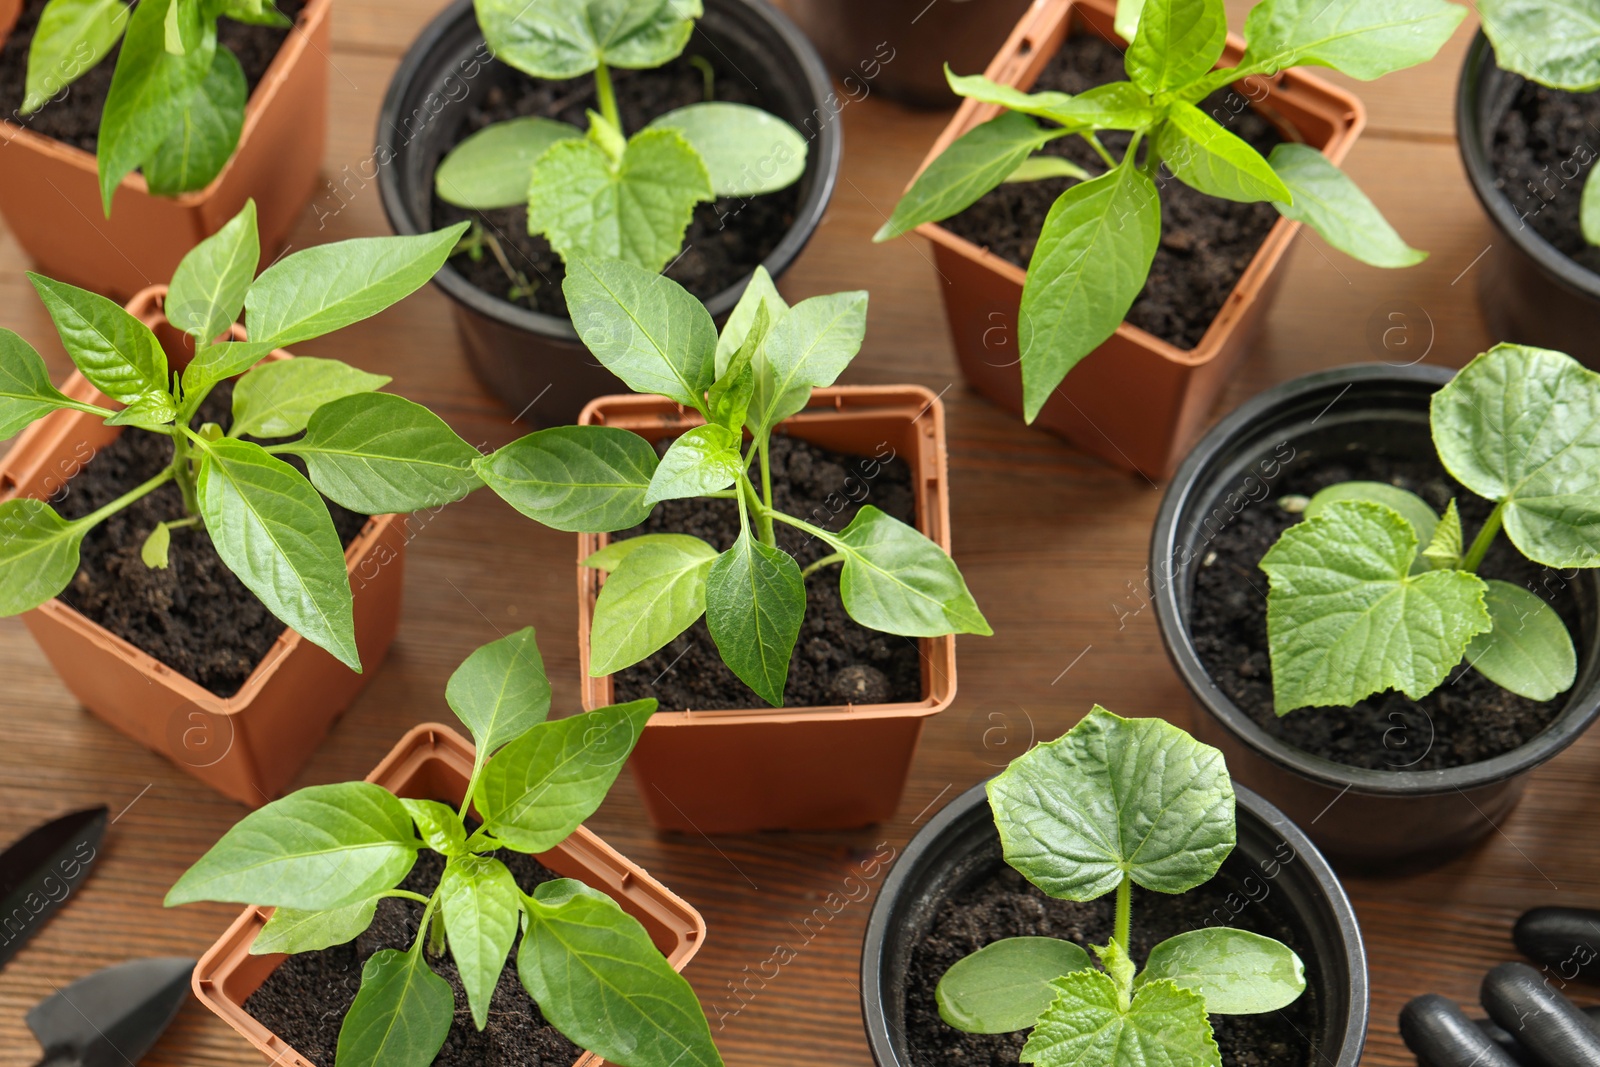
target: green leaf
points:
(155, 548)
(755, 601)
(975, 163)
(1177, 42)
(654, 593)
(205, 134)
(728, 400)
(1365, 39)
(610, 557)
(1006, 986)
(1521, 426)
(290, 930)
(149, 94)
(1237, 972)
(439, 825)
(216, 362)
(1529, 650)
(324, 847)
(277, 399)
(72, 37)
(401, 1016)
(1589, 211)
(1036, 168)
(500, 692)
(566, 38)
(1346, 618)
(1112, 106)
(746, 151)
(1411, 507)
(183, 25)
(703, 460)
(154, 411)
(378, 454)
(645, 329)
(1557, 45)
(636, 211)
(1127, 20)
(541, 786)
(1093, 256)
(897, 581)
(491, 168)
(256, 13)
(759, 296)
(1446, 547)
(38, 554)
(589, 479)
(987, 91)
(273, 531)
(1205, 156)
(318, 290)
(26, 394)
(1088, 1024)
(809, 347)
(208, 288)
(1114, 798)
(599, 979)
(1329, 202)
(482, 910)
(115, 351)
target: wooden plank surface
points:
(1052, 543)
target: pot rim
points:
(1248, 804)
(829, 148)
(1481, 176)
(1174, 626)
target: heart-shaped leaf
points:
(1088, 1024)
(556, 39)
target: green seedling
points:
(324, 857)
(651, 333)
(1100, 237)
(1375, 591)
(369, 451)
(1112, 804)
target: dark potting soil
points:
(1541, 151)
(728, 237)
(305, 1000)
(1468, 719)
(836, 659)
(194, 616)
(74, 119)
(1004, 904)
(1206, 243)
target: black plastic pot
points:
(1531, 293)
(960, 847)
(532, 361)
(1362, 818)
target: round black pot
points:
(532, 361)
(960, 846)
(1364, 819)
(1531, 293)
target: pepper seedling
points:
(651, 333)
(1110, 804)
(324, 857)
(177, 98)
(1375, 591)
(604, 193)
(369, 451)
(1097, 244)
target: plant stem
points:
(814, 531)
(766, 471)
(608, 96)
(94, 518)
(823, 562)
(406, 894)
(751, 500)
(427, 921)
(182, 470)
(1124, 911)
(1094, 142)
(1485, 538)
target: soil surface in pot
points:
(74, 119)
(836, 659)
(1206, 243)
(1541, 151)
(1005, 904)
(728, 238)
(1468, 719)
(305, 1000)
(194, 616)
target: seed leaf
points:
(291, 930)
(500, 692)
(1237, 972)
(114, 350)
(1205, 156)
(589, 479)
(277, 399)
(1177, 42)
(1557, 45)
(38, 554)
(1006, 986)
(746, 151)
(26, 394)
(975, 163)
(1365, 39)
(72, 37)
(1529, 651)
(205, 134)
(897, 581)
(401, 1015)
(482, 909)
(703, 460)
(1411, 507)
(491, 168)
(378, 454)
(755, 601)
(1164, 1025)
(208, 288)
(1329, 202)
(654, 593)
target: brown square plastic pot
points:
(1136, 401)
(50, 192)
(433, 762)
(821, 768)
(249, 746)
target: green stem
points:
(94, 518)
(1485, 538)
(183, 470)
(836, 557)
(406, 894)
(752, 501)
(766, 471)
(1124, 911)
(814, 531)
(1094, 142)
(607, 95)
(427, 921)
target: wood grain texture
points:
(1052, 543)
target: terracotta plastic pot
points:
(252, 745)
(50, 192)
(10, 10)
(1363, 818)
(532, 361)
(821, 768)
(1136, 401)
(959, 847)
(899, 47)
(433, 762)
(1531, 292)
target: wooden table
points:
(1052, 543)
